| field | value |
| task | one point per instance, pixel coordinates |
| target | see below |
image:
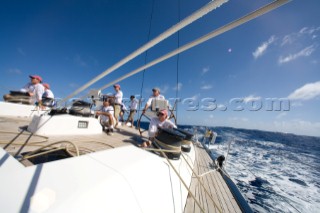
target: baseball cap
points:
(116, 85)
(46, 85)
(156, 89)
(36, 77)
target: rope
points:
(39, 143)
(163, 150)
(182, 181)
(42, 153)
(178, 57)
(21, 133)
(99, 142)
(145, 59)
(188, 20)
(204, 38)
(167, 146)
(31, 154)
(208, 172)
(193, 172)
(201, 183)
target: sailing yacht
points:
(61, 162)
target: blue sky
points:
(274, 56)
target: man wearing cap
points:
(38, 90)
(32, 89)
(155, 123)
(133, 109)
(155, 96)
(117, 96)
(107, 116)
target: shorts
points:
(105, 121)
(117, 109)
(131, 115)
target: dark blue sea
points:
(275, 172)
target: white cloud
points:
(288, 39)
(305, 31)
(178, 87)
(14, 71)
(164, 88)
(307, 92)
(206, 87)
(305, 52)
(296, 103)
(205, 70)
(309, 30)
(251, 98)
(263, 47)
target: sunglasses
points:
(160, 114)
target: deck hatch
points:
(83, 124)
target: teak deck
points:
(212, 187)
(212, 193)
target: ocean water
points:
(275, 172)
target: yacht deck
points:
(16, 140)
(211, 192)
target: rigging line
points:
(219, 31)
(188, 20)
(145, 59)
(178, 57)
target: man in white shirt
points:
(155, 96)
(38, 91)
(133, 109)
(107, 116)
(155, 123)
(123, 109)
(117, 102)
(29, 93)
